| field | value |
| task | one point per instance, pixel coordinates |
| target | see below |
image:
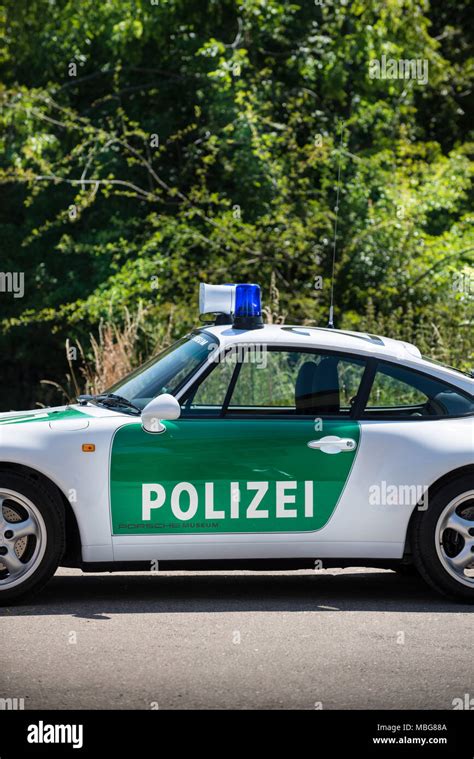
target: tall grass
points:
(111, 354)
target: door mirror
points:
(163, 407)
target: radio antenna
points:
(334, 244)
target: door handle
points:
(333, 444)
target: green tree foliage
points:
(152, 144)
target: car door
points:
(264, 447)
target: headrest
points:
(317, 387)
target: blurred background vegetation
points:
(148, 145)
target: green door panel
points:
(226, 476)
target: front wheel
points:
(443, 540)
(31, 536)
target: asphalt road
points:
(351, 638)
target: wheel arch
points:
(434, 488)
(73, 554)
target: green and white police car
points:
(246, 445)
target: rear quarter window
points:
(400, 392)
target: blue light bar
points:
(247, 301)
(248, 308)
(237, 304)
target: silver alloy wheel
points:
(22, 538)
(455, 538)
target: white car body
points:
(395, 452)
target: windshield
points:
(168, 371)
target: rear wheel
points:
(31, 536)
(443, 540)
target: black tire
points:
(51, 510)
(406, 570)
(423, 540)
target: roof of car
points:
(289, 334)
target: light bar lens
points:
(247, 301)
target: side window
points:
(208, 398)
(292, 382)
(400, 392)
(390, 392)
(350, 377)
